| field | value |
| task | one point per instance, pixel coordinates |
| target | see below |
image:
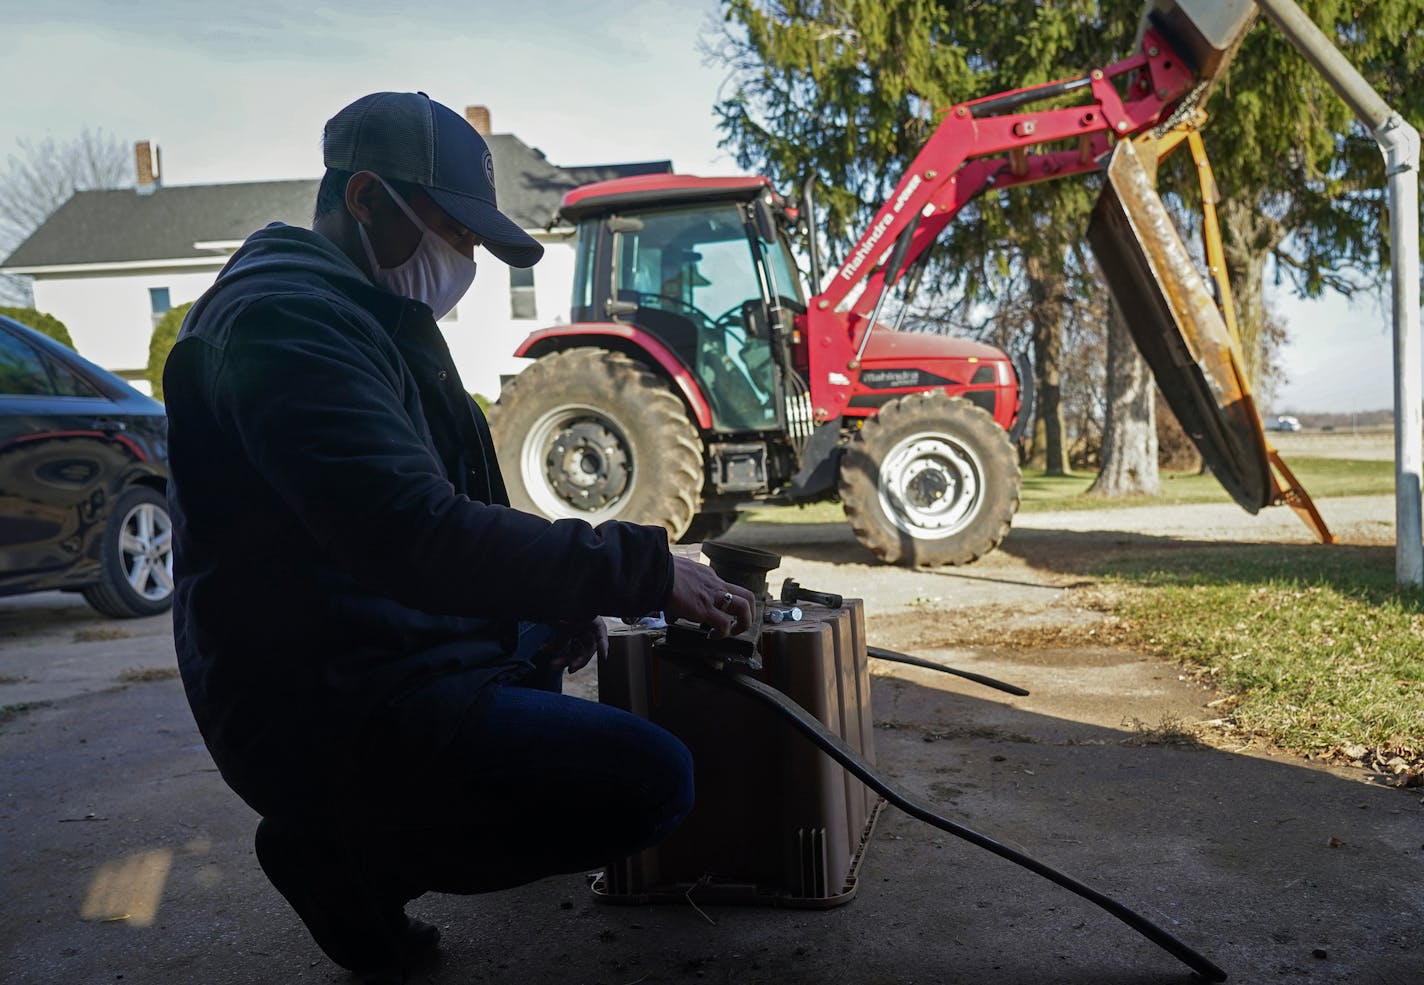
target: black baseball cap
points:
(407, 136)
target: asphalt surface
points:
(127, 860)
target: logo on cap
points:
(489, 168)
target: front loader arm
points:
(973, 148)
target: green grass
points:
(1314, 650)
(1322, 478)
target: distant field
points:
(1318, 459)
(1376, 444)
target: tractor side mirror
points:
(765, 221)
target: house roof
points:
(123, 226)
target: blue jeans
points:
(528, 783)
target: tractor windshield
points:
(692, 273)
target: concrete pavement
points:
(127, 860)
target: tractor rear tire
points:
(593, 434)
(930, 480)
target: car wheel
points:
(137, 558)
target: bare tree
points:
(41, 176)
(1129, 465)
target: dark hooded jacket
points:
(342, 533)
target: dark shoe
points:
(356, 927)
(421, 950)
(422, 940)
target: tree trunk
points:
(1247, 238)
(1045, 289)
(1129, 466)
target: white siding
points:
(483, 336)
(109, 316)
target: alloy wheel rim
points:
(146, 551)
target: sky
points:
(239, 92)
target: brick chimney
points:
(148, 167)
(479, 118)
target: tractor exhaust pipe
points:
(813, 239)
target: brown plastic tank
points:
(777, 822)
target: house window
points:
(158, 303)
(521, 293)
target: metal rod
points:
(1408, 367)
(897, 260)
(1400, 144)
(912, 285)
(1015, 99)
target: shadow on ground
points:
(1277, 871)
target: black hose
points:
(880, 653)
(834, 746)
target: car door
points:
(60, 449)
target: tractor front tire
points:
(930, 480)
(593, 434)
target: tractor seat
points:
(677, 332)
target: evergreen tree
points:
(847, 89)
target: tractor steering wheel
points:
(667, 302)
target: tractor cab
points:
(691, 264)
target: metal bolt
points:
(1162, 93)
(778, 616)
(823, 304)
(1097, 75)
(1153, 51)
(1121, 125)
(931, 175)
(961, 111)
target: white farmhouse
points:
(109, 263)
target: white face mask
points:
(436, 273)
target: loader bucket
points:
(1206, 33)
(1172, 315)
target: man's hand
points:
(574, 644)
(700, 596)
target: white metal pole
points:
(1400, 144)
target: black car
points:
(83, 480)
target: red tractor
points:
(698, 374)
(694, 380)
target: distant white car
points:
(1284, 423)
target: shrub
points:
(40, 322)
(165, 333)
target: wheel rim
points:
(577, 461)
(146, 552)
(930, 486)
